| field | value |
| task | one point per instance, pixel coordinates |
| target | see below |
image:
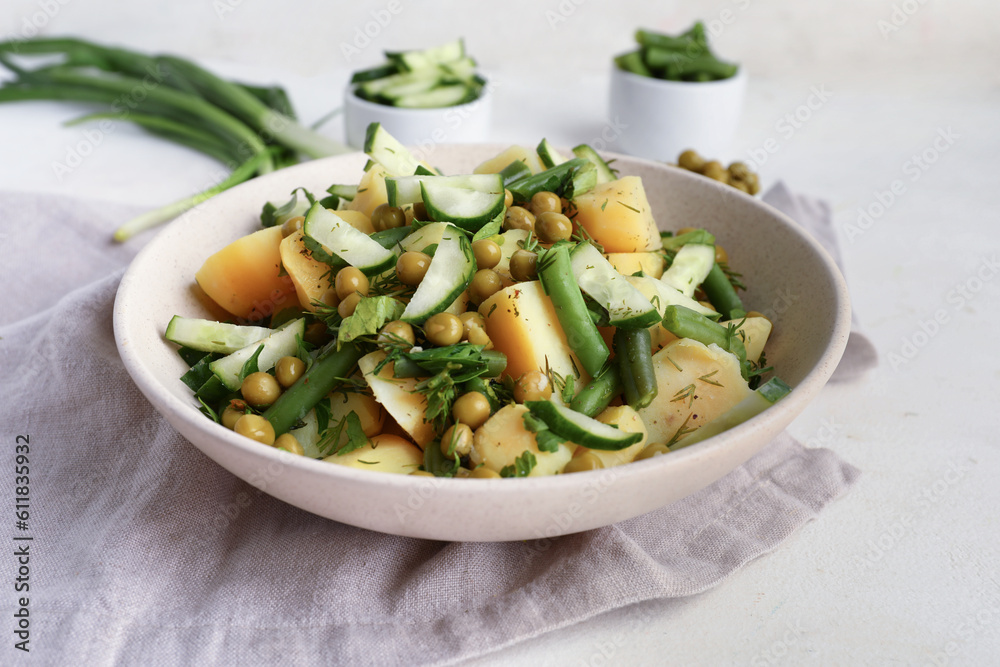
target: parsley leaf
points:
(369, 316)
(523, 465)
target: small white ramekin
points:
(463, 123)
(658, 119)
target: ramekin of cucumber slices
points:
(424, 97)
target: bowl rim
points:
(184, 415)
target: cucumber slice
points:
(469, 209)
(581, 429)
(569, 179)
(550, 156)
(604, 172)
(421, 58)
(690, 267)
(627, 307)
(766, 395)
(415, 81)
(662, 295)
(460, 71)
(348, 192)
(449, 273)
(437, 97)
(422, 237)
(381, 71)
(388, 152)
(281, 343)
(349, 243)
(405, 190)
(514, 171)
(210, 336)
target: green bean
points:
(632, 62)
(722, 294)
(496, 362)
(633, 350)
(330, 368)
(584, 339)
(685, 323)
(598, 393)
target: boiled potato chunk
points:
(497, 164)
(503, 438)
(630, 263)
(383, 453)
(244, 277)
(628, 420)
(616, 214)
(397, 396)
(522, 323)
(310, 276)
(755, 332)
(695, 385)
(370, 414)
(371, 191)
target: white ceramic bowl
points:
(424, 129)
(659, 119)
(789, 276)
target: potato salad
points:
(526, 319)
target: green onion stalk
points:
(252, 130)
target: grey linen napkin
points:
(143, 551)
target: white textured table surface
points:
(903, 569)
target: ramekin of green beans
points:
(673, 92)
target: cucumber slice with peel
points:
(581, 429)
(550, 156)
(385, 149)
(449, 273)
(210, 336)
(690, 268)
(662, 295)
(604, 172)
(405, 190)
(281, 343)
(420, 58)
(469, 209)
(627, 307)
(349, 243)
